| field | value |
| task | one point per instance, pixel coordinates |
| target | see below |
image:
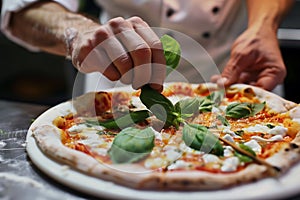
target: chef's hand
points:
(255, 59)
(126, 50)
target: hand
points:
(125, 50)
(255, 59)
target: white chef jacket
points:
(214, 24)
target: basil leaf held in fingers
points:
(172, 52)
(159, 105)
(123, 121)
(131, 145)
(199, 138)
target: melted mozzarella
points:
(172, 152)
(228, 138)
(228, 151)
(179, 164)
(230, 164)
(272, 139)
(253, 144)
(278, 130)
(226, 129)
(210, 158)
(257, 128)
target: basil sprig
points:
(157, 103)
(198, 137)
(123, 121)
(131, 145)
(240, 110)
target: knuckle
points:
(156, 44)
(136, 20)
(142, 50)
(116, 22)
(125, 60)
(102, 33)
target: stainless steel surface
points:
(19, 178)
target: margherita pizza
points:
(190, 137)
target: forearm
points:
(267, 13)
(44, 24)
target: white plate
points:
(285, 186)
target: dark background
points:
(47, 79)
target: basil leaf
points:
(238, 110)
(199, 138)
(242, 157)
(131, 145)
(239, 132)
(223, 120)
(216, 97)
(187, 107)
(205, 105)
(172, 52)
(256, 108)
(270, 126)
(159, 105)
(123, 121)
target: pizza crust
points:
(274, 102)
(136, 176)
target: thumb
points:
(230, 74)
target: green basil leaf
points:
(187, 107)
(172, 52)
(270, 126)
(239, 132)
(199, 138)
(123, 121)
(216, 97)
(242, 157)
(256, 108)
(205, 105)
(238, 110)
(131, 145)
(223, 120)
(159, 105)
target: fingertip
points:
(214, 78)
(222, 82)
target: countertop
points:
(19, 178)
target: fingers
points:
(126, 50)
(158, 59)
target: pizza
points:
(189, 137)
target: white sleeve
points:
(9, 6)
